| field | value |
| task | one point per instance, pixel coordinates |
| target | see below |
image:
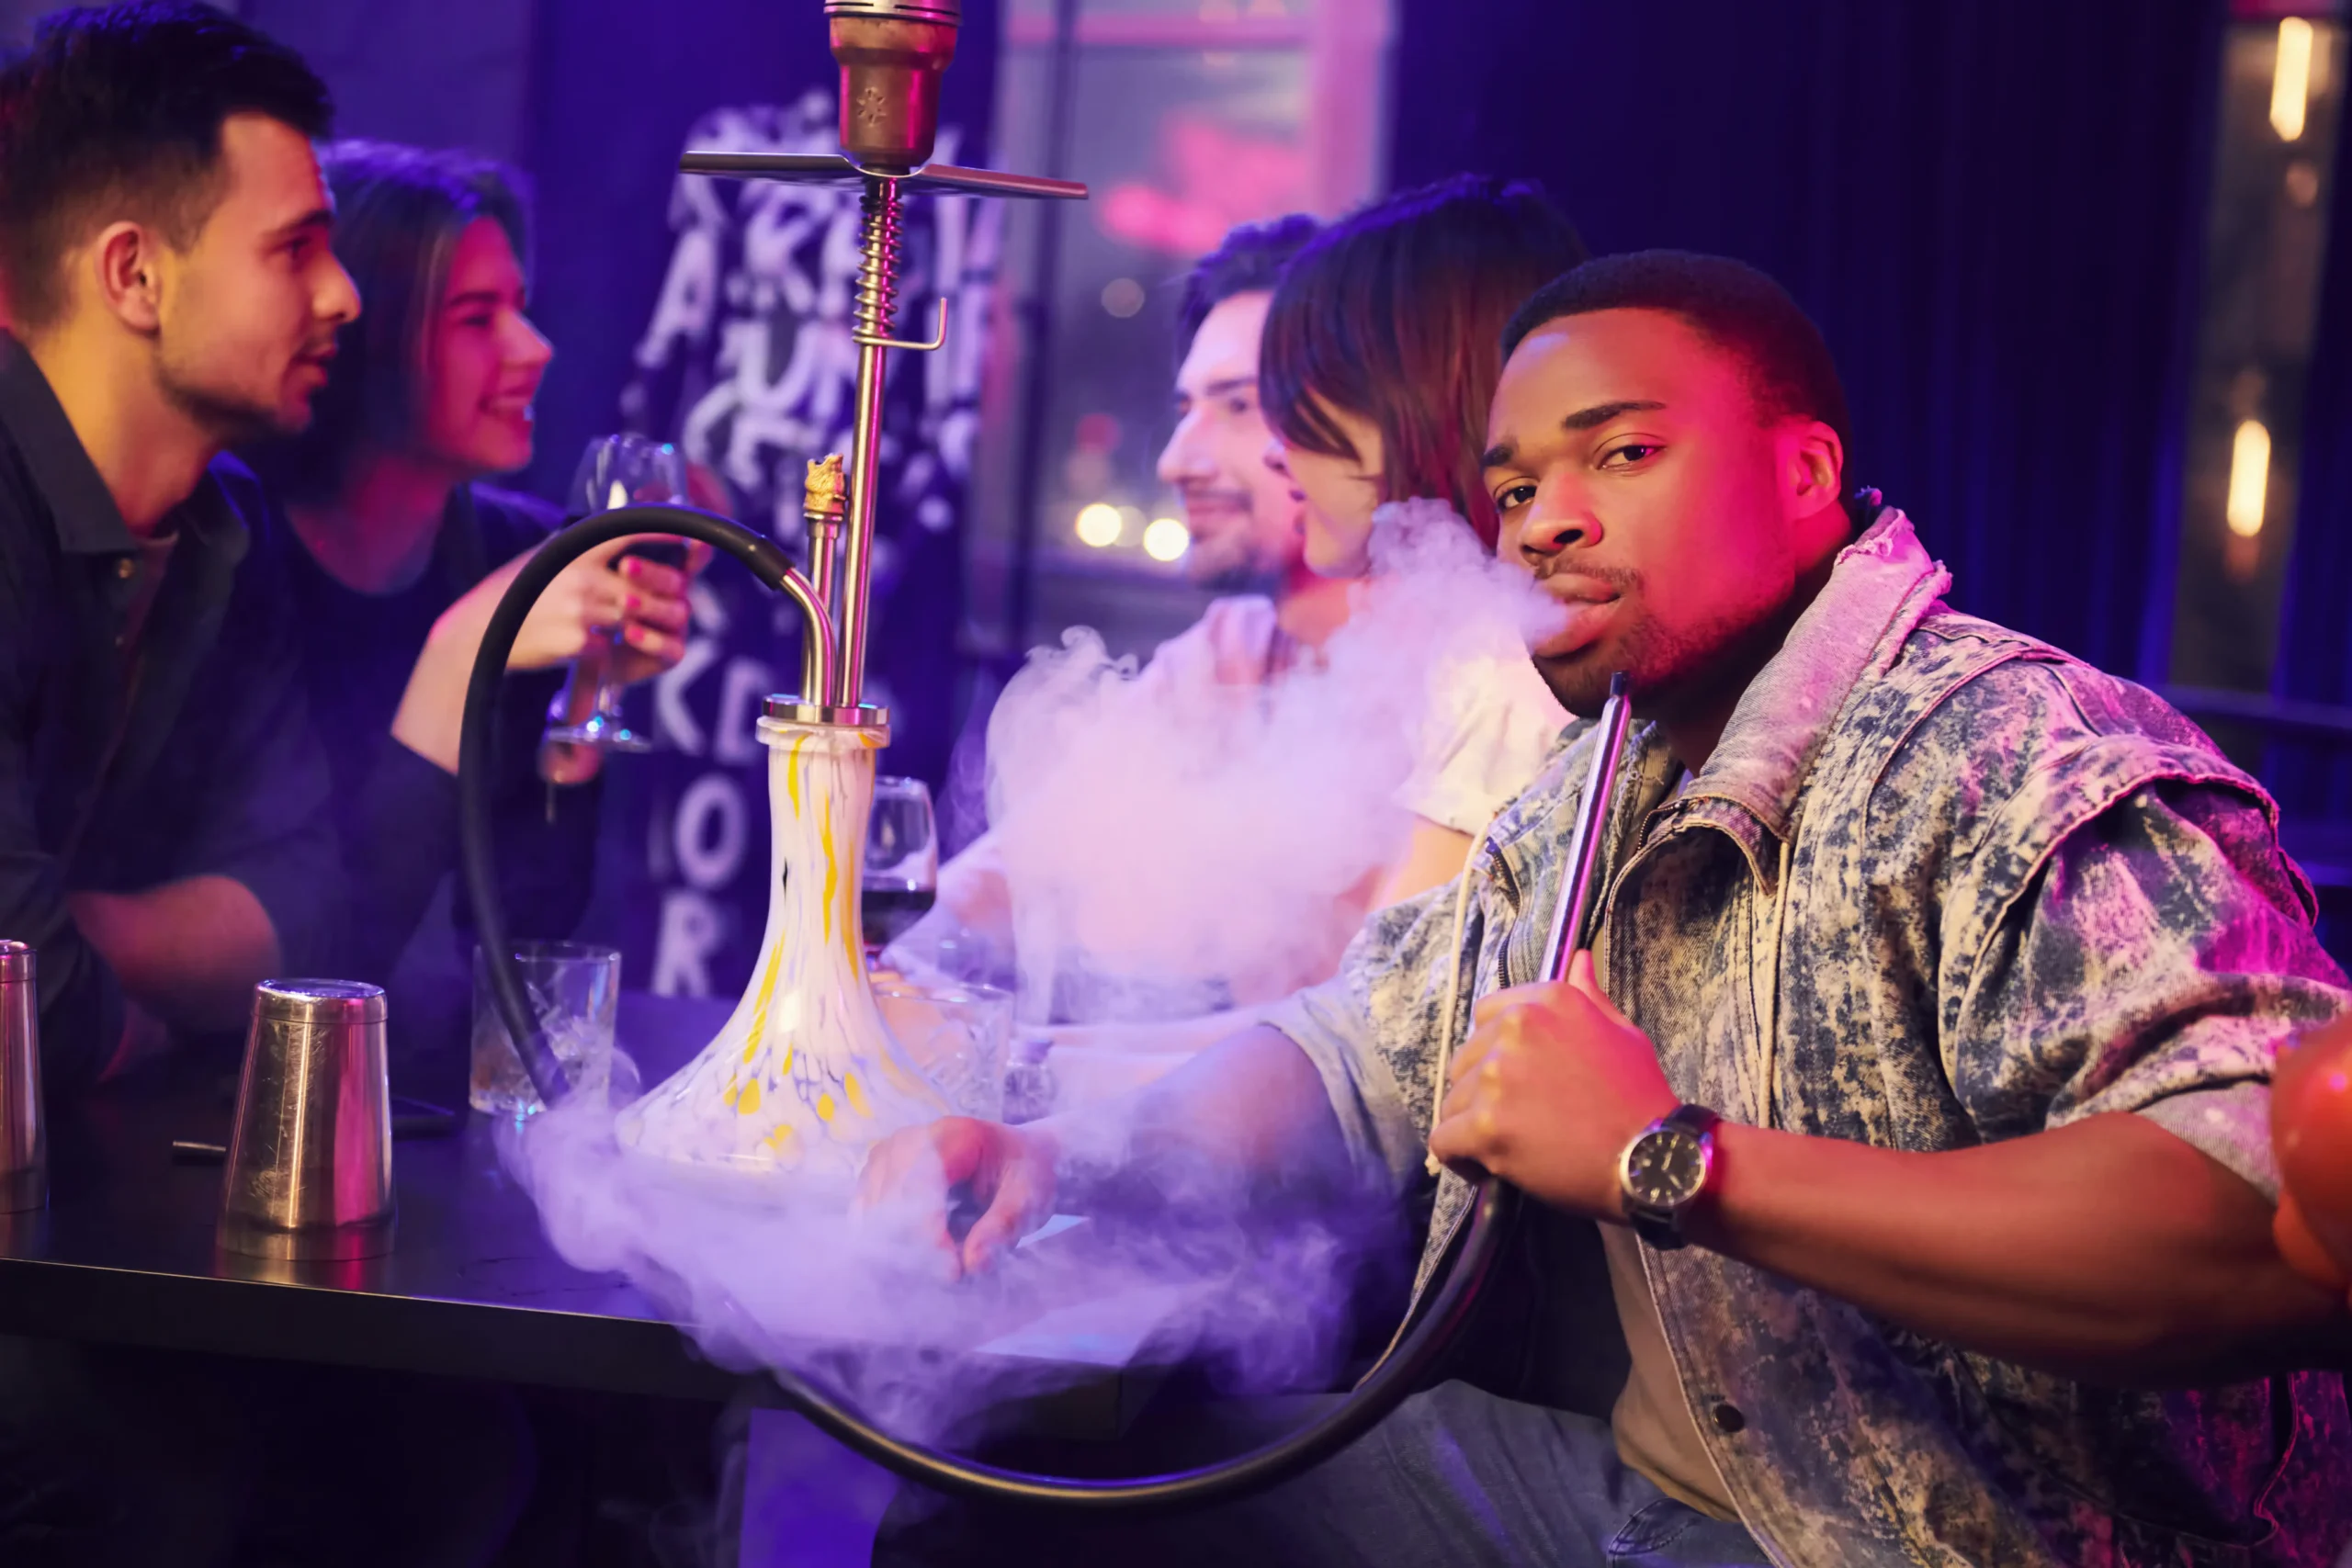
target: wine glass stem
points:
(608, 691)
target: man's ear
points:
(125, 262)
(1813, 467)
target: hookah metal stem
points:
(877, 292)
(1592, 817)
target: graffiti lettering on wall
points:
(748, 364)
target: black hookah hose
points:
(1399, 1373)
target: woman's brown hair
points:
(1396, 314)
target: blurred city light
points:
(1166, 539)
(2249, 479)
(1099, 526)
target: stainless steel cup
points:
(24, 1154)
(310, 1157)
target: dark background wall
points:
(1992, 210)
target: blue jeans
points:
(1457, 1478)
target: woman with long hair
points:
(1383, 346)
(400, 553)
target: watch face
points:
(1665, 1169)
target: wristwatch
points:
(1664, 1170)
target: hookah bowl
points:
(892, 54)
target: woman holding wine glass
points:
(400, 553)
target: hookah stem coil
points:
(877, 298)
(1577, 882)
(878, 275)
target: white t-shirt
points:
(1488, 724)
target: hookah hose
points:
(1408, 1363)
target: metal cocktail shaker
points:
(23, 1153)
(310, 1158)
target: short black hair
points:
(400, 212)
(1248, 260)
(117, 111)
(1729, 303)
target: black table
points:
(125, 1255)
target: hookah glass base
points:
(805, 1077)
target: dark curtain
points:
(2313, 779)
(1993, 210)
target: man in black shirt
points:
(164, 232)
(163, 829)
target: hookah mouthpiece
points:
(892, 54)
(1592, 817)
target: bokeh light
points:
(1166, 539)
(1099, 526)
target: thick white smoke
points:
(770, 1271)
(1173, 849)
(1207, 846)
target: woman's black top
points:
(396, 814)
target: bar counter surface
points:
(124, 1255)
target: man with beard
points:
(171, 290)
(1243, 518)
(1916, 1074)
(1243, 515)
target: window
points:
(2282, 93)
(1186, 117)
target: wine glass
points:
(615, 471)
(901, 879)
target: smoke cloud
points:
(776, 1270)
(1173, 846)
(1177, 843)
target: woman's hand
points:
(642, 602)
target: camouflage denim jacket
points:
(1940, 885)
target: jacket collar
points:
(1880, 587)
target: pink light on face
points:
(1218, 178)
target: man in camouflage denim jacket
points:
(1984, 955)
(1937, 886)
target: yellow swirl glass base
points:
(804, 1079)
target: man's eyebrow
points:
(475, 296)
(1593, 418)
(1601, 413)
(317, 218)
(1230, 384)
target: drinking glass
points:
(615, 471)
(574, 990)
(901, 878)
(958, 1033)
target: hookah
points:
(803, 1078)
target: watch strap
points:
(1695, 1118)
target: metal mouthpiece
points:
(1577, 889)
(892, 54)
